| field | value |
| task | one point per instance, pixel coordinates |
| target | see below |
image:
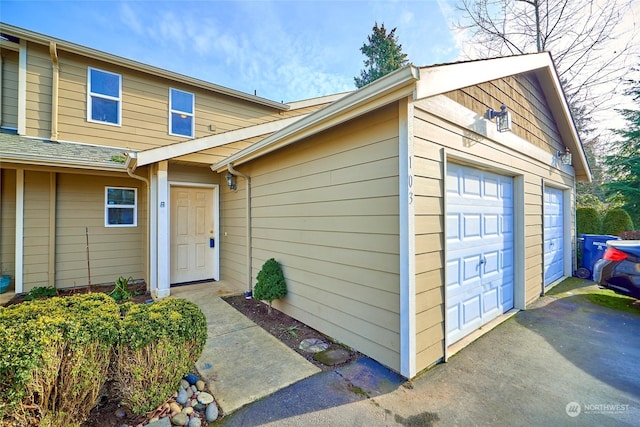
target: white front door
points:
(479, 255)
(192, 257)
(553, 235)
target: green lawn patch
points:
(587, 289)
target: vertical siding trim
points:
(445, 253)
(164, 250)
(19, 263)
(52, 228)
(407, 242)
(1, 68)
(153, 230)
(55, 84)
(519, 238)
(22, 91)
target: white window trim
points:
(107, 206)
(192, 115)
(100, 95)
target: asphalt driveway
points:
(564, 361)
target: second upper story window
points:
(181, 113)
(104, 98)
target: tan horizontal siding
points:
(9, 117)
(432, 135)
(39, 89)
(36, 230)
(327, 209)
(114, 251)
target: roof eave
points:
(53, 162)
(63, 45)
(385, 90)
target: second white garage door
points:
(479, 248)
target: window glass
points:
(104, 97)
(121, 207)
(181, 113)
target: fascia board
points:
(135, 65)
(444, 78)
(158, 154)
(387, 89)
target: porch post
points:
(163, 231)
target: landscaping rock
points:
(211, 413)
(195, 422)
(120, 413)
(200, 385)
(188, 410)
(174, 408)
(332, 357)
(180, 419)
(162, 422)
(182, 397)
(205, 398)
(191, 378)
(184, 383)
(313, 345)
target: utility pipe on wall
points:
(55, 83)
(248, 207)
(131, 167)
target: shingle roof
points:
(20, 149)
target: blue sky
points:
(284, 50)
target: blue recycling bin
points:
(593, 247)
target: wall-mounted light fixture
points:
(503, 122)
(564, 157)
(231, 181)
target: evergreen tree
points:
(624, 164)
(384, 55)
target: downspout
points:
(55, 84)
(248, 233)
(130, 165)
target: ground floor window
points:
(121, 207)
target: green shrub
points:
(120, 291)
(588, 221)
(159, 344)
(41, 292)
(616, 221)
(271, 284)
(54, 355)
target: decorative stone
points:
(200, 385)
(195, 422)
(194, 388)
(182, 397)
(194, 402)
(184, 383)
(205, 398)
(179, 419)
(192, 379)
(211, 413)
(162, 422)
(188, 410)
(332, 357)
(174, 408)
(313, 345)
(120, 413)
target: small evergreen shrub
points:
(616, 221)
(159, 343)
(271, 284)
(54, 356)
(588, 221)
(41, 292)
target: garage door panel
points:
(553, 235)
(480, 253)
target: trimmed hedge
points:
(159, 344)
(56, 354)
(588, 221)
(616, 221)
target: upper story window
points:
(181, 113)
(104, 98)
(121, 207)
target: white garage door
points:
(553, 235)
(479, 249)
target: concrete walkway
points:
(241, 362)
